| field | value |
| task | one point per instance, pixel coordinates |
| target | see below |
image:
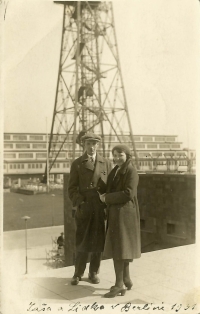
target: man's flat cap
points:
(91, 137)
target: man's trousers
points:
(81, 261)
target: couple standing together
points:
(95, 189)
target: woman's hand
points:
(102, 197)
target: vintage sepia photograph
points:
(99, 141)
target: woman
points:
(123, 233)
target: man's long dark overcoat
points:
(84, 182)
(123, 239)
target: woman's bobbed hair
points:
(123, 148)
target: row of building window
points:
(35, 165)
(22, 166)
(16, 166)
(69, 146)
(25, 146)
(61, 155)
(30, 155)
(57, 165)
(156, 145)
(148, 139)
(165, 155)
(124, 138)
(66, 165)
(77, 154)
(7, 137)
(162, 163)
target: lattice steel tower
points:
(90, 93)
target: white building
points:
(26, 153)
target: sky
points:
(159, 49)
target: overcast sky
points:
(159, 47)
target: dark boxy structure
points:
(167, 210)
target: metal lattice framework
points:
(90, 93)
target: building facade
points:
(26, 153)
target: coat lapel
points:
(115, 179)
(86, 162)
(123, 168)
(111, 179)
(98, 169)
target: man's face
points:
(91, 146)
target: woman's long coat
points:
(123, 233)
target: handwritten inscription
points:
(34, 308)
(77, 307)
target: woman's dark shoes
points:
(94, 278)
(75, 280)
(114, 291)
(128, 284)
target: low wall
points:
(167, 212)
(167, 209)
(27, 191)
(22, 191)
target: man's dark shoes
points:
(75, 280)
(94, 278)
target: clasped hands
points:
(102, 197)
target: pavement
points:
(167, 279)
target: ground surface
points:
(44, 209)
(166, 277)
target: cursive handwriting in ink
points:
(96, 307)
(85, 308)
(176, 307)
(144, 307)
(128, 306)
(74, 307)
(159, 308)
(114, 306)
(32, 308)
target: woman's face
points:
(119, 158)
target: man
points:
(60, 240)
(88, 177)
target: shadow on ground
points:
(62, 287)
